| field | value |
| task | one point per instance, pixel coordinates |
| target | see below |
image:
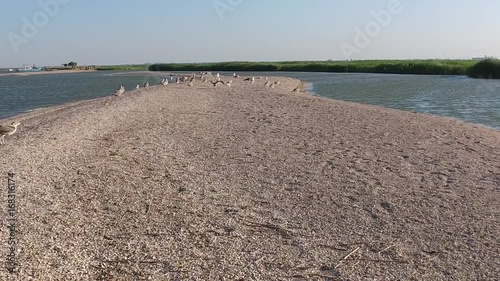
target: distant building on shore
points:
(482, 58)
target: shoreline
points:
(251, 182)
(303, 89)
(44, 72)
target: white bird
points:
(190, 84)
(146, 84)
(267, 83)
(118, 92)
(7, 130)
(205, 80)
(137, 86)
(272, 86)
(218, 75)
(229, 83)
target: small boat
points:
(29, 68)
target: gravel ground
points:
(250, 183)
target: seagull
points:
(229, 83)
(137, 86)
(267, 83)
(296, 90)
(191, 83)
(118, 92)
(205, 80)
(8, 130)
(218, 75)
(217, 82)
(146, 84)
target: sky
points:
(97, 32)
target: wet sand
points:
(250, 183)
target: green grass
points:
(124, 67)
(488, 69)
(439, 67)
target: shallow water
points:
(458, 97)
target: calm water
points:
(459, 97)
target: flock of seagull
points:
(7, 130)
(203, 76)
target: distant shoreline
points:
(43, 72)
(472, 68)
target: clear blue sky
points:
(120, 32)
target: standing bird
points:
(118, 92)
(137, 86)
(191, 83)
(267, 83)
(8, 130)
(146, 84)
(229, 83)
